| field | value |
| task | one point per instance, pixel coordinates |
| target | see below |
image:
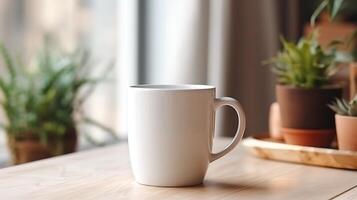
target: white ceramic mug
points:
(170, 132)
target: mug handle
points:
(227, 101)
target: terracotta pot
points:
(307, 108)
(346, 127)
(312, 137)
(28, 147)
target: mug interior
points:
(173, 87)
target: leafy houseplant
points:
(304, 65)
(40, 103)
(346, 123)
(303, 91)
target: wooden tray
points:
(268, 148)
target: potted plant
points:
(346, 123)
(304, 90)
(42, 103)
(304, 86)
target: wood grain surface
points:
(105, 174)
(274, 150)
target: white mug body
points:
(170, 133)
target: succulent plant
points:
(304, 64)
(342, 107)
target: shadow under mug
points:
(170, 132)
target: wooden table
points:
(104, 173)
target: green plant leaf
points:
(8, 61)
(333, 7)
(317, 12)
(303, 64)
(342, 107)
(335, 43)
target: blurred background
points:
(221, 43)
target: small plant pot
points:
(305, 117)
(307, 108)
(309, 137)
(29, 148)
(346, 127)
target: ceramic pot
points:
(28, 147)
(305, 117)
(309, 137)
(346, 127)
(307, 108)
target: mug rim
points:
(174, 87)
